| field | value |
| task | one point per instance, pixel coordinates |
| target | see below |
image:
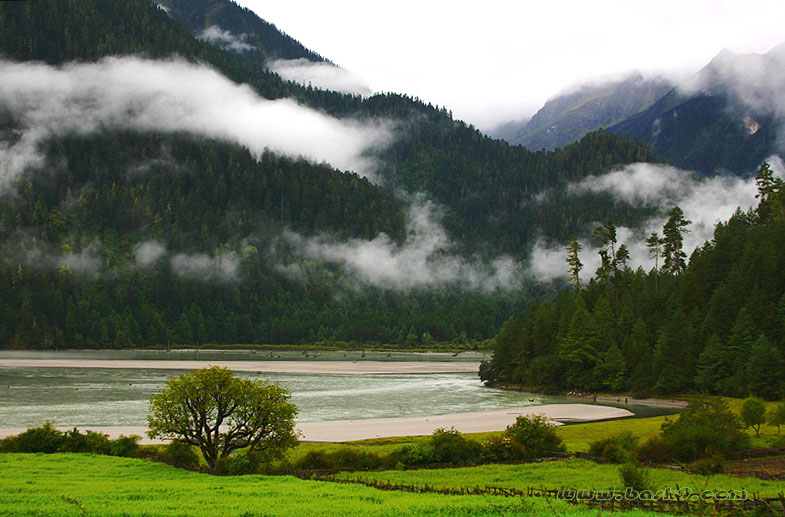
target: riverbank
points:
(258, 366)
(362, 429)
(604, 398)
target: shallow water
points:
(119, 397)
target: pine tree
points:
(673, 242)
(574, 261)
(612, 371)
(579, 350)
(743, 334)
(764, 370)
(713, 367)
(771, 192)
(508, 349)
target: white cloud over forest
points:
(168, 96)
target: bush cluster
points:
(343, 458)
(529, 437)
(616, 448)
(704, 428)
(48, 439)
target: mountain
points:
(236, 29)
(567, 117)
(161, 188)
(727, 117)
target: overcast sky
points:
(499, 60)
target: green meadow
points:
(570, 473)
(80, 484)
(84, 484)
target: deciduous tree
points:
(220, 413)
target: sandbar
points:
(260, 366)
(350, 430)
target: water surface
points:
(30, 396)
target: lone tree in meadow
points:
(220, 413)
(776, 416)
(753, 414)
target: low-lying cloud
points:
(25, 248)
(705, 202)
(320, 75)
(754, 81)
(168, 96)
(225, 39)
(426, 259)
(224, 264)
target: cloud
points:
(148, 252)
(426, 259)
(223, 264)
(320, 75)
(754, 81)
(225, 39)
(705, 202)
(32, 252)
(168, 96)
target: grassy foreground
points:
(572, 473)
(82, 484)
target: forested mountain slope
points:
(717, 327)
(726, 118)
(123, 231)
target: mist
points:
(755, 82)
(169, 96)
(320, 75)
(705, 202)
(223, 264)
(426, 259)
(224, 39)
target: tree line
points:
(713, 325)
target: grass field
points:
(83, 484)
(80, 484)
(572, 473)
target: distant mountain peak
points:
(568, 116)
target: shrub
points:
(709, 465)
(316, 460)
(450, 446)
(241, 463)
(126, 446)
(361, 460)
(501, 448)
(617, 448)
(8, 444)
(536, 435)
(414, 454)
(654, 450)
(704, 427)
(45, 439)
(180, 454)
(635, 477)
(74, 441)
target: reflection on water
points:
(106, 397)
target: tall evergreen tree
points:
(765, 368)
(673, 242)
(574, 262)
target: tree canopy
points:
(220, 413)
